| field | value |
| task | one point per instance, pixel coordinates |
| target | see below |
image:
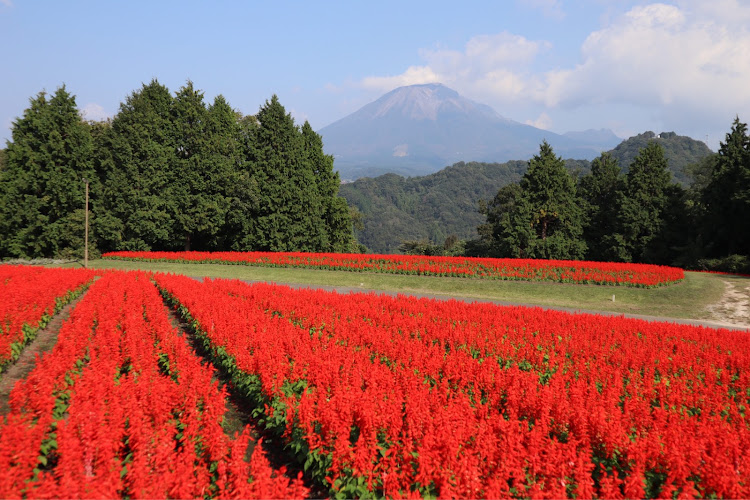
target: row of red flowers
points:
(601, 273)
(29, 297)
(407, 396)
(122, 407)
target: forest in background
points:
(446, 203)
(609, 215)
(168, 172)
(171, 172)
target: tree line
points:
(168, 172)
(642, 216)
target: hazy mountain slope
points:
(420, 129)
(679, 150)
(433, 206)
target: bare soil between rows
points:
(44, 341)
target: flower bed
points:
(29, 297)
(564, 271)
(122, 407)
(401, 396)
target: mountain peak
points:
(418, 129)
(427, 102)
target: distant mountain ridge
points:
(679, 150)
(446, 202)
(419, 129)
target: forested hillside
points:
(432, 207)
(168, 172)
(435, 206)
(680, 152)
(642, 216)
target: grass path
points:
(690, 299)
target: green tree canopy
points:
(600, 191)
(541, 217)
(41, 187)
(642, 205)
(727, 196)
(138, 175)
(201, 169)
(556, 214)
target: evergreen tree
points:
(287, 188)
(243, 190)
(508, 231)
(201, 169)
(324, 189)
(600, 190)
(41, 186)
(139, 173)
(642, 206)
(330, 213)
(556, 213)
(727, 196)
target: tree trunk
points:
(187, 242)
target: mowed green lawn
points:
(686, 300)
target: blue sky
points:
(630, 66)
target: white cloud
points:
(412, 76)
(684, 63)
(543, 121)
(299, 117)
(489, 65)
(94, 112)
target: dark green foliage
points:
(541, 217)
(642, 205)
(508, 231)
(453, 246)
(204, 141)
(556, 216)
(680, 152)
(41, 187)
(726, 197)
(329, 212)
(137, 173)
(600, 190)
(431, 208)
(730, 264)
(298, 208)
(169, 173)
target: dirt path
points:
(44, 341)
(238, 414)
(734, 307)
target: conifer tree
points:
(41, 186)
(508, 231)
(138, 176)
(200, 172)
(727, 196)
(330, 211)
(243, 190)
(287, 187)
(600, 190)
(642, 206)
(556, 213)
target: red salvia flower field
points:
(122, 407)
(374, 396)
(566, 271)
(29, 296)
(408, 396)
